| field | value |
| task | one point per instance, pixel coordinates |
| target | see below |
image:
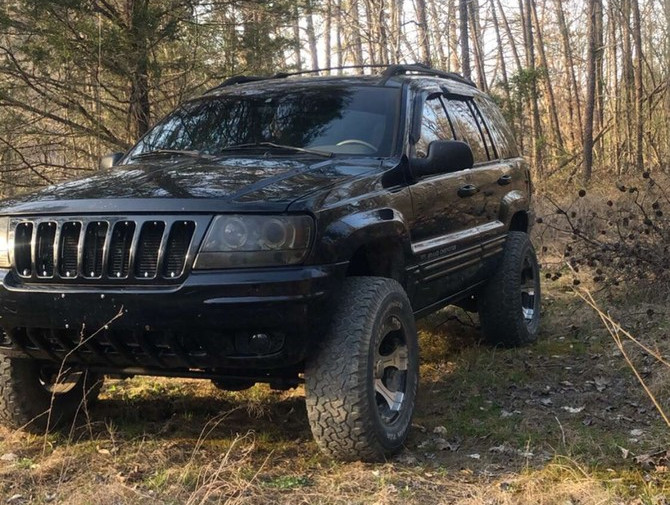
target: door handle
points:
(505, 180)
(467, 190)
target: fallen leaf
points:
(444, 445)
(100, 450)
(474, 456)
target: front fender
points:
(342, 238)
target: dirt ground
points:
(564, 421)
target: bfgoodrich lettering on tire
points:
(509, 306)
(361, 383)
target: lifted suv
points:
(274, 230)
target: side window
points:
(435, 125)
(499, 129)
(470, 128)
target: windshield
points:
(347, 120)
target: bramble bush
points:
(620, 235)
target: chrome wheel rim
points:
(391, 362)
(528, 290)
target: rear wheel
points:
(361, 384)
(509, 305)
(33, 395)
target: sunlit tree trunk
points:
(465, 43)
(590, 89)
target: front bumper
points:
(205, 323)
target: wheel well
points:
(381, 258)
(519, 222)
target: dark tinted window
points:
(349, 120)
(468, 128)
(499, 129)
(434, 126)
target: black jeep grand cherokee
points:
(274, 230)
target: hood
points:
(193, 185)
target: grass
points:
(547, 424)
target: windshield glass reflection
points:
(339, 120)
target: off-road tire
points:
(502, 301)
(341, 378)
(25, 402)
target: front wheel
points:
(361, 384)
(509, 305)
(35, 396)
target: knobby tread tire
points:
(338, 380)
(24, 402)
(500, 309)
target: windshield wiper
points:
(167, 152)
(234, 147)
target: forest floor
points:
(564, 421)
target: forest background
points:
(577, 418)
(584, 84)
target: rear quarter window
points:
(469, 128)
(498, 128)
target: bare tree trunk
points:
(639, 87)
(311, 37)
(536, 124)
(396, 29)
(140, 105)
(355, 32)
(552, 109)
(338, 35)
(614, 91)
(438, 34)
(576, 123)
(422, 29)
(501, 51)
(383, 39)
(453, 23)
(510, 37)
(628, 80)
(326, 32)
(477, 44)
(297, 45)
(465, 43)
(590, 90)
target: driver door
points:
(446, 251)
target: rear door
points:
(485, 180)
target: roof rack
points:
(420, 68)
(389, 72)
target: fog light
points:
(260, 343)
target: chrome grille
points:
(102, 249)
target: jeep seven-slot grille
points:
(102, 249)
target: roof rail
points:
(389, 72)
(420, 68)
(316, 71)
(238, 79)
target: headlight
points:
(4, 243)
(239, 241)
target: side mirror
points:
(443, 156)
(109, 160)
